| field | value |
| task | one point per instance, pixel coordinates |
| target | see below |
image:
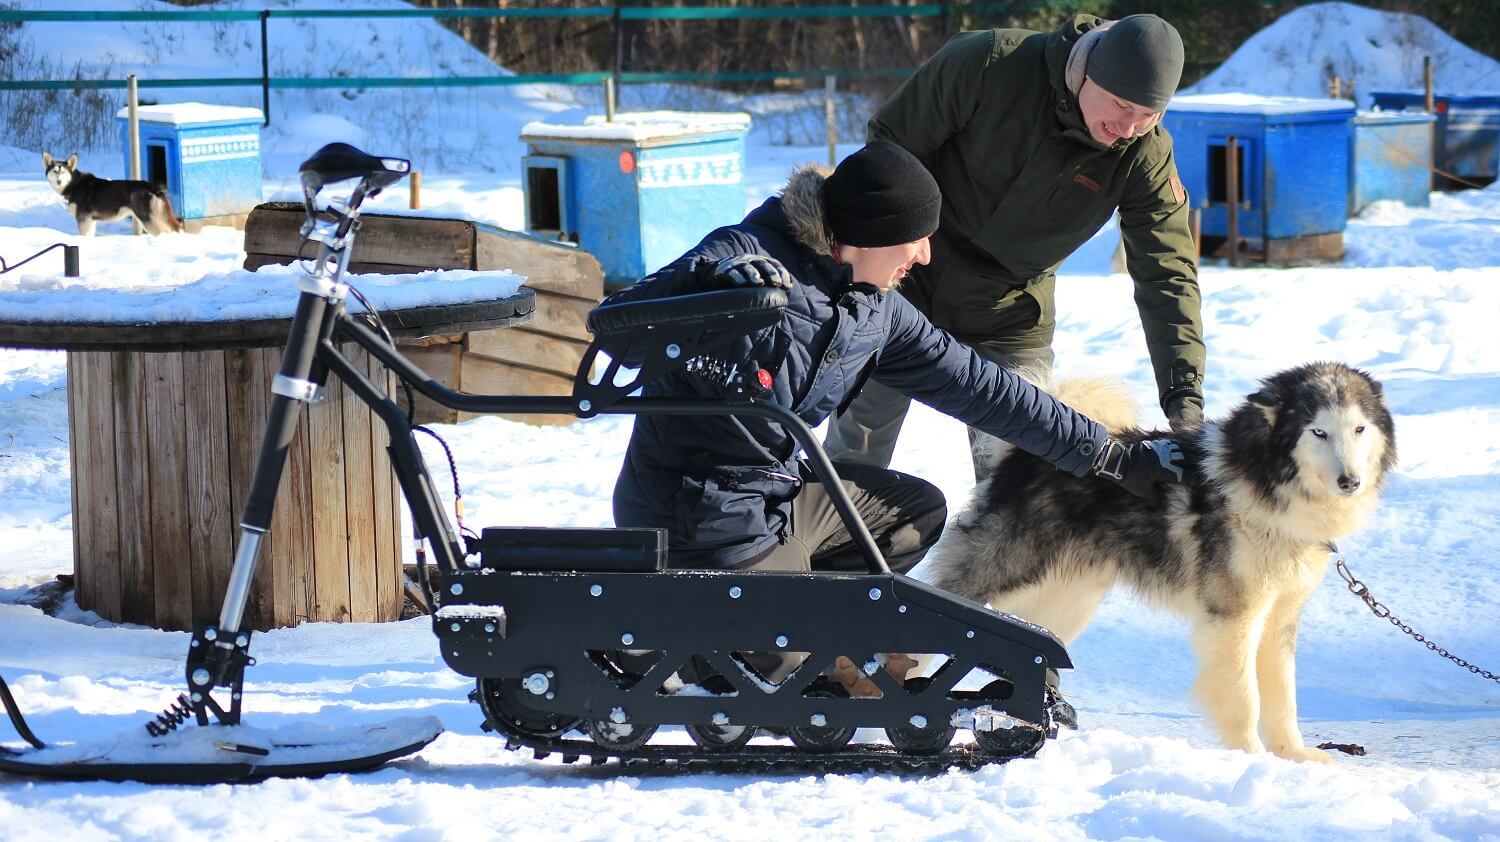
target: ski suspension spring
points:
(167, 721)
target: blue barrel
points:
(1391, 158)
(1468, 131)
(638, 191)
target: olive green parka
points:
(1024, 185)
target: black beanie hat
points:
(1139, 60)
(881, 196)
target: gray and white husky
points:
(1236, 549)
(92, 199)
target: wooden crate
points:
(537, 358)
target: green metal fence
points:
(616, 13)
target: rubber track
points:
(694, 758)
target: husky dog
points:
(92, 200)
(1236, 549)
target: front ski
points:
(226, 753)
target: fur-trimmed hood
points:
(802, 204)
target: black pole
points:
(70, 261)
(265, 67)
(619, 36)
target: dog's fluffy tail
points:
(1100, 398)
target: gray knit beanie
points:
(1139, 60)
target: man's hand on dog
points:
(752, 270)
(1141, 466)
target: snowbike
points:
(582, 641)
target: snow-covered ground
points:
(1414, 302)
(1301, 52)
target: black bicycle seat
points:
(339, 161)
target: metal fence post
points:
(829, 113)
(265, 68)
(619, 36)
(133, 129)
(609, 99)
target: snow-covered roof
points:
(1378, 116)
(1239, 103)
(641, 126)
(188, 113)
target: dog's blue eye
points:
(1319, 433)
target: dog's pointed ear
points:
(73, 161)
(46, 159)
(1266, 403)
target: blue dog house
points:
(208, 156)
(1468, 131)
(1391, 153)
(638, 191)
(1293, 158)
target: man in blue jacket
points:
(730, 491)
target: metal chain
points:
(1378, 608)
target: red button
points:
(764, 378)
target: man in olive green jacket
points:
(1036, 139)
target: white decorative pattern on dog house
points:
(207, 156)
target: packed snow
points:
(1414, 302)
(1372, 50)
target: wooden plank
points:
(96, 517)
(561, 315)
(386, 511)
(491, 377)
(210, 520)
(523, 347)
(328, 509)
(442, 364)
(83, 575)
(359, 496)
(171, 562)
(547, 266)
(421, 242)
(1313, 248)
(137, 593)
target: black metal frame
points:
(321, 320)
(555, 648)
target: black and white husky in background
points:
(1236, 549)
(92, 200)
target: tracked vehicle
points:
(587, 643)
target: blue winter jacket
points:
(723, 486)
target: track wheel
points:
(1010, 743)
(506, 704)
(930, 737)
(819, 739)
(619, 736)
(720, 737)
(1021, 741)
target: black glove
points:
(1140, 466)
(1184, 413)
(752, 270)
